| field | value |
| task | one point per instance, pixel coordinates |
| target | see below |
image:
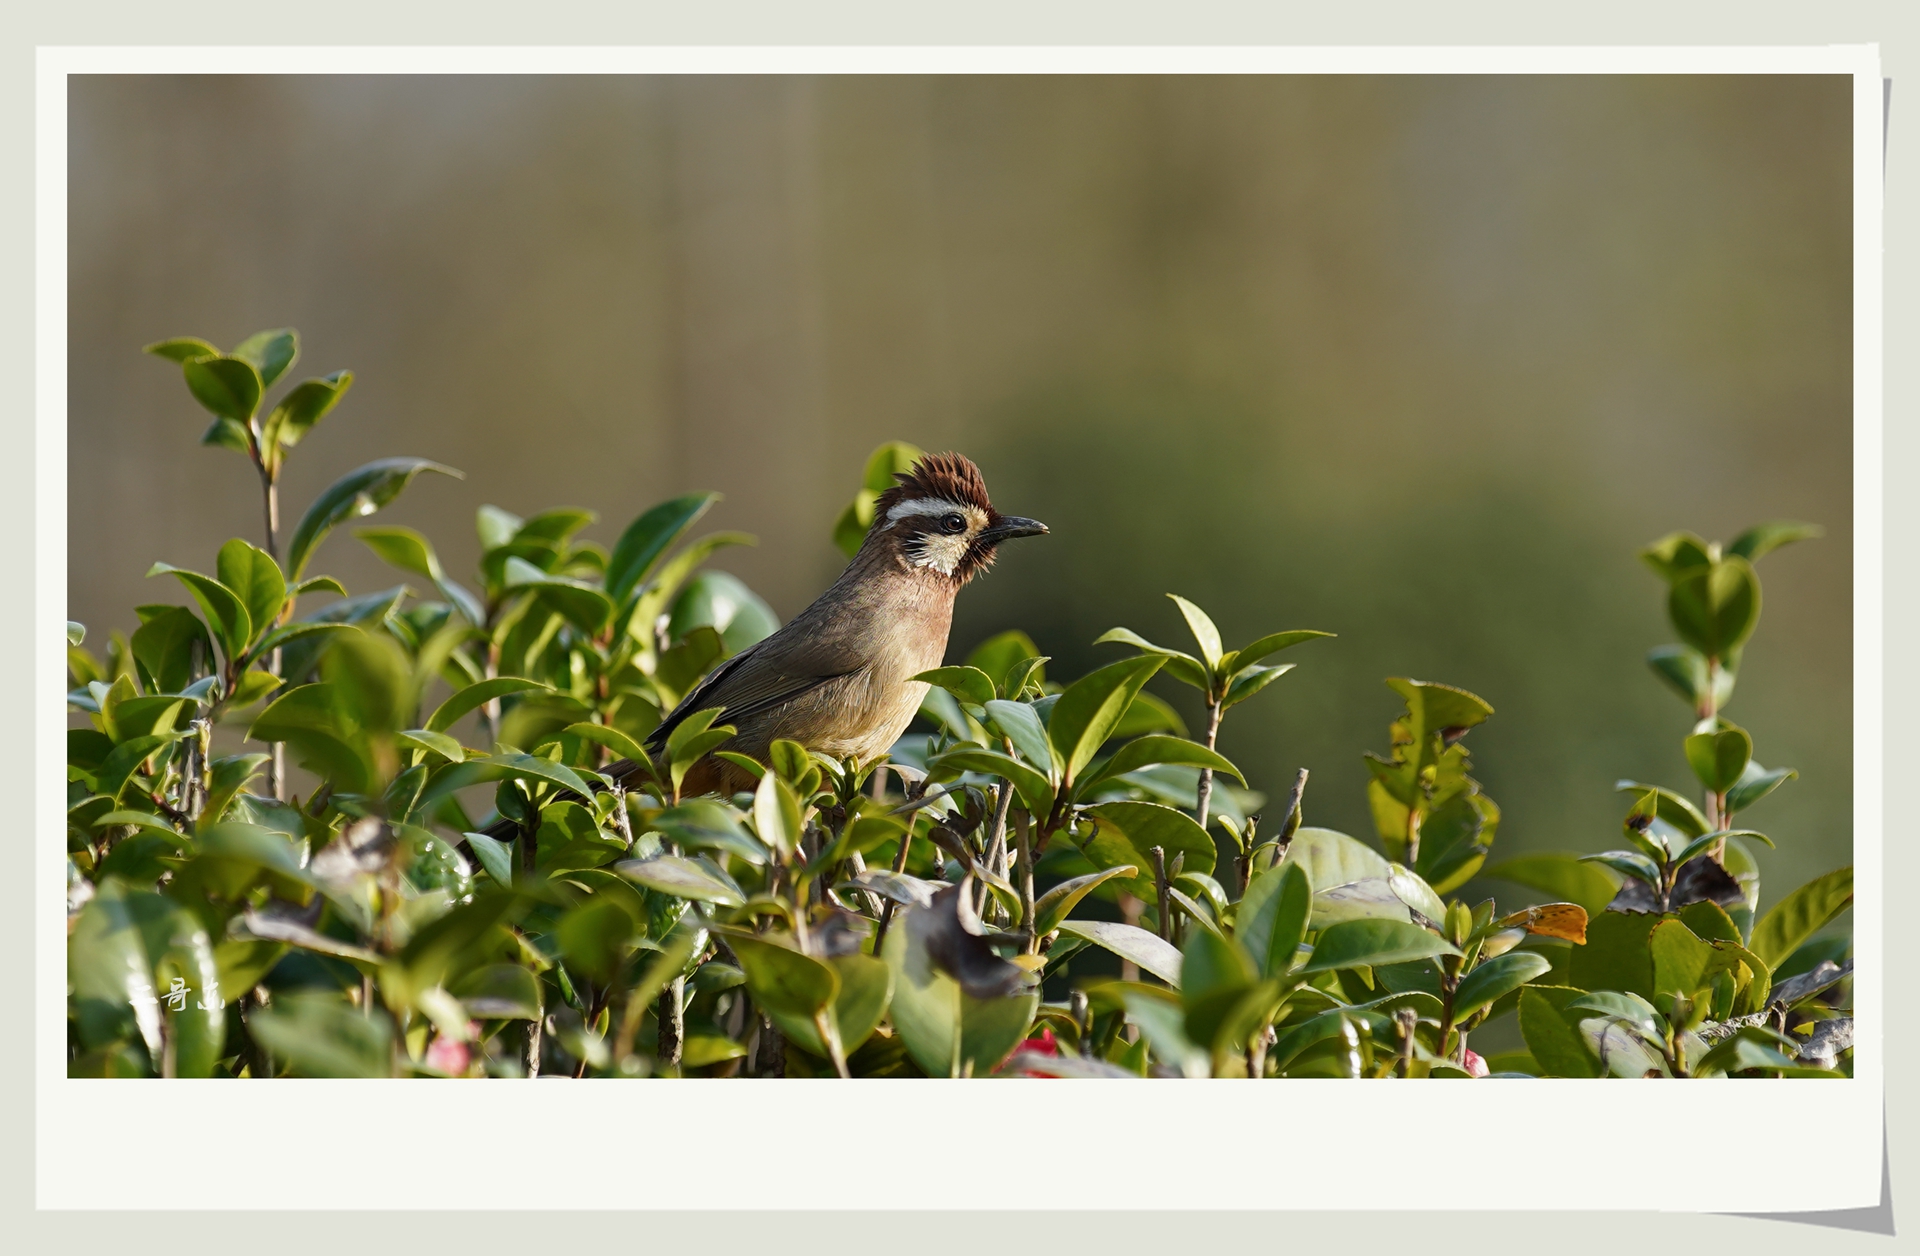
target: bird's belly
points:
(859, 716)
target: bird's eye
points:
(952, 525)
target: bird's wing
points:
(755, 680)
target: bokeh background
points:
(1418, 360)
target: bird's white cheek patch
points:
(942, 553)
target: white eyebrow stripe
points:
(921, 506)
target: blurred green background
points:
(1418, 360)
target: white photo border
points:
(1568, 1144)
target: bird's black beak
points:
(1011, 526)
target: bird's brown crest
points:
(949, 476)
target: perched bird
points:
(839, 677)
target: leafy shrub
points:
(950, 912)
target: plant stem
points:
(1159, 858)
(1204, 799)
(1026, 883)
(672, 1017)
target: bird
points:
(838, 677)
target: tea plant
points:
(948, 911)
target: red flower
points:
(1043, 1045)
(1476, 1067)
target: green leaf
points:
(321, 1035)
(1800, 915)
(1761, 540)
(1617, 954)
(1368, 943)
(76, 632)
(1435, 708)
(434, 743)
(164, 645)
(776, 814)
(499, 992)
(948, 1032)
(252, 686)
(1756, 783)
(1153, 954)
(119, 768)
(1272, 643)
(1129, 830)
(1145, 752)
(1551, 1039)
(650, 536)
(1035, 791)
(1499, 976)
(359, 492)
(475, 771)
(724, 603)
(969, 684)
(108, 966)
(1676, 554)
(682, 877)
(226, 613)
(494, 855)
(253, 577)
(1719, 759)
(1214, 974)
(1204, 633)
(1019, 724)
(1056, 904)
(1251, 681)
(181, 348)
(1003, 655)
(1715, 608)
(1671, 808)
(580, 603)
(475, 696)
(227, 387)
(306, 404)
(783, 981)
(610, 737)
(1085, 715)
(269, 353)
(1184, 668)
(228, 433)
(1685, 669)
(1563, 877)
(1273, 917)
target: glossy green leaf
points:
(165, 646)
(1017, 722)
(776, 814)
(475, 696)
(1128, 831)
(1272, 643)
(359, 492)
(948, 1032)
(1496, 977)
(1053, 907)
(321, 1035)
(226, 614)
(1201, 626)
(499, 992)
(1009, 656)
(1035, 791)
(1616, 956)
(1148, 751)
(225, 386)
(1761, 540)
(1366, 943)
(494, 855)
(1183, 667)
(306, 404)
(1551, 1038)
(1251, 681)
(1214, 974)
(1719, 759)
(181, 348)
(1152, 953)
(969, 684)
(648, 537)
(1756, 783)
(1273, 917)
(270, 352)
(251, 575)
(1564, 877)
(1088, 710)
(681, 877)
(1800, 915)
(1715, 608)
